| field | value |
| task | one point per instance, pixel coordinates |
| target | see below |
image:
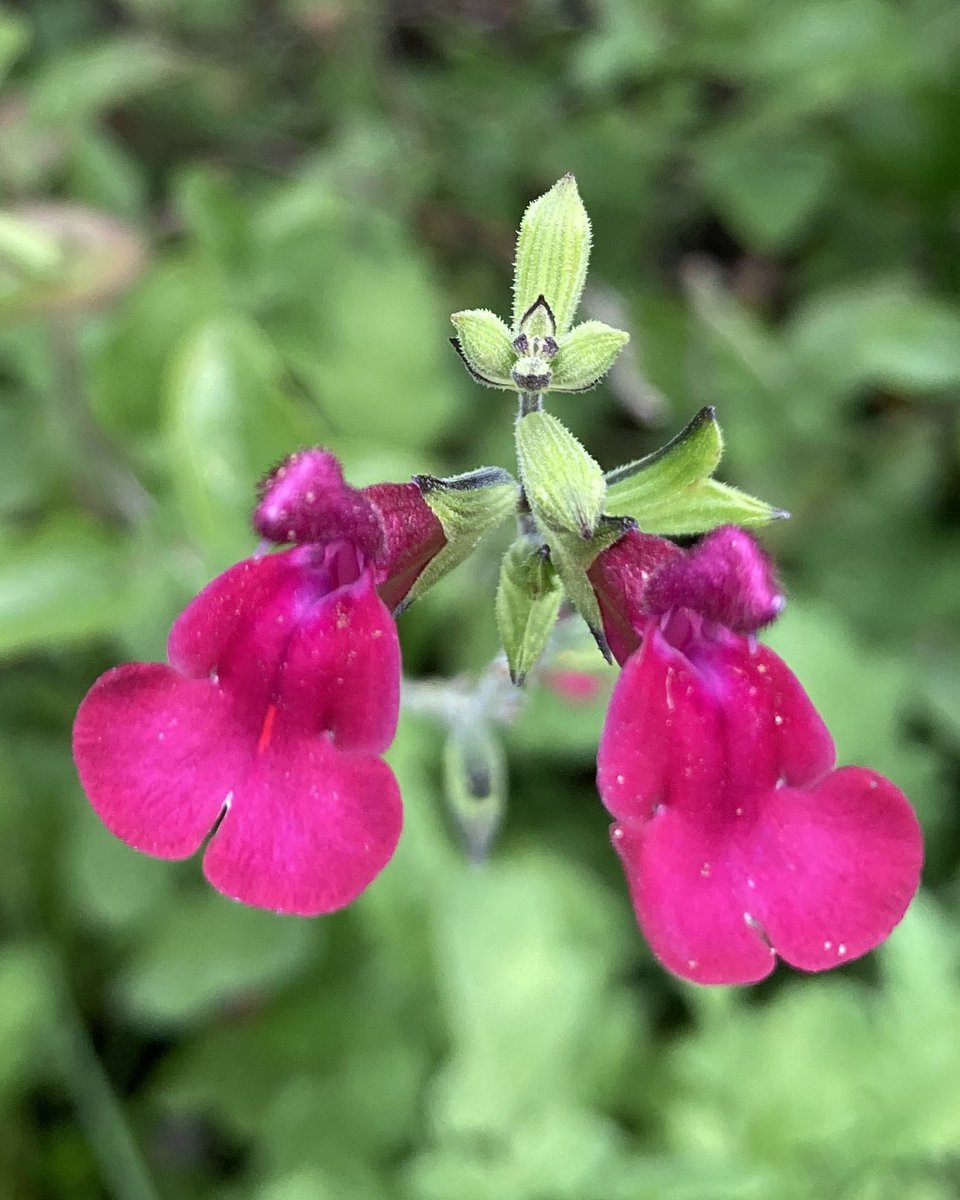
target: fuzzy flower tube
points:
(281, 693)
(740, 838)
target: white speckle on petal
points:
(827, 945)
(692, 964)
(620, 780)
(778, 720)
(705, 870)
(841, 950)
(738, 812)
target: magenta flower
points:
(281, 693)
(413, 537)
(739, 838)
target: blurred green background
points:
(231, 227)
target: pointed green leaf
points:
(692, 455)
(585, 355)
(484, 343)
(564, 485)
(528, 601)
(553, 251)
(671, 492)
(700, 507)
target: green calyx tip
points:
(527, 605)
(553, 252)
(468, 507)
(672, 492)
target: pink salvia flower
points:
(282, 691)
(575, 687)
(413, 536)
(739, 838)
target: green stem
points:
(530, 402)
(100, 1113)
(98, 1110)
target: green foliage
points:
(228, 229)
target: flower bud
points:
(484, 343)
(527, 605)
(474, 774)
(564, 486)
(553, 251)
(585, 355)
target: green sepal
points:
(475, 784)
(690, 456)
(553, 251)
(670, 492)
(564, 486)
(468, 507)
(528, 602)
(538, 321)
(571, 558)
(585, 355)
(700, 507)
(485, 344)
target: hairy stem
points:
(100, 1113)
